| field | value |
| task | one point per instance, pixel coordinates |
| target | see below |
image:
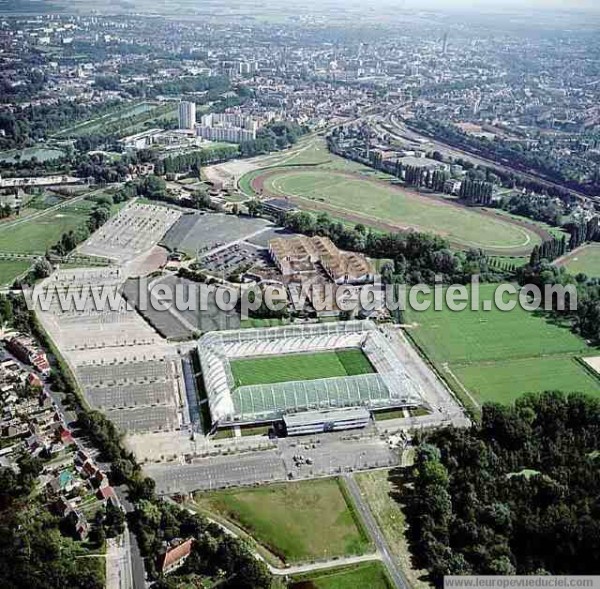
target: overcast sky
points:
(485, 5)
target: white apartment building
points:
(187, 115)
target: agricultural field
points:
(298, 522)
(356, 194)
(370, 574)
(498, 356)
(584, 260)
(290, 367)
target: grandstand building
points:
(389, 386)
(318, 422)
(297, 258)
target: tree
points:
(42, 268)
(254, 207)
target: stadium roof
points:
(390, 386)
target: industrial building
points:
(298, 257)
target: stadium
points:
(263, 375)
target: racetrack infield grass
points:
(499, 356)
(380, 204)
(369, 575)
(291, 367)
(299, 522)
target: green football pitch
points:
(499, 356)
(290, 367)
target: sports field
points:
(498, 356)
(39, 233)
(585, 260)
(301, 521)
(11, 269)
(290, 367)
(369, 574)
(359, 196)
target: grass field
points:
(351, 191)
(114, 116)
(302, 521)
(381, 493)
(369, 575)
(585, 260)
(42, 154)
(11, 269)
(498, 356)
(290, 367)
(42, 232)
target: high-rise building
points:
(187, 115)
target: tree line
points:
(585, 319)
(416, 257)
(33, 554)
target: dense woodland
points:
(516, 494)
(22, 127)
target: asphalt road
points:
(381, 544)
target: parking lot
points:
(198, 233)
(218, 472)
(328, 454)
(233, 259)
(145, 419)
(131, 233)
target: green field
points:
(123, 120)
(585, 260)
(290, 367)
(358, 196)
(382, 490)
(298, 522)
(370, 575)
(498, 356)
(11, 269)
(42, 154)
(42, 232)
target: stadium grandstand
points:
(380, 382)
